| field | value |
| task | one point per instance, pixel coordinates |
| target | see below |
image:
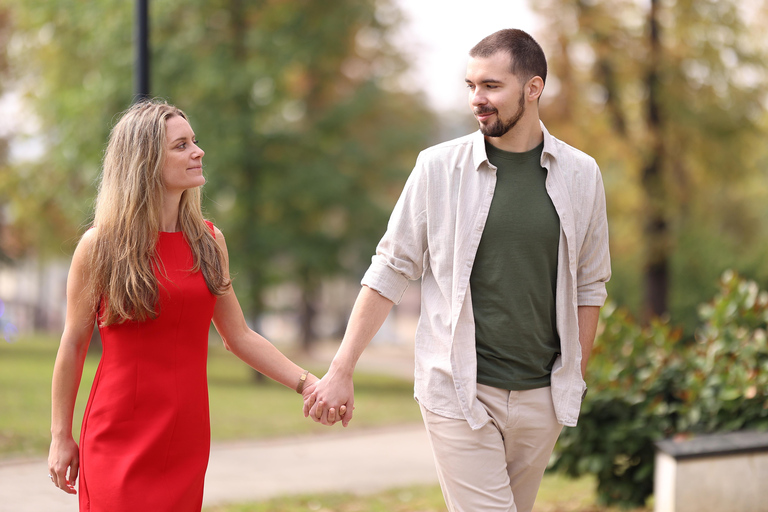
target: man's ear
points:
(534, 88)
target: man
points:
(507, 229)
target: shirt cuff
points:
(592, 295)
(387, 281)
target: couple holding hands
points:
(505, 227)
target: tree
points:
(308, 139)
(670, 99)
(324, 141)
(5, 33)
(73, 84)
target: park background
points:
(312, 114)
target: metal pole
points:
(141, 42)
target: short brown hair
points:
(527, 57)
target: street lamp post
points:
(141, 44)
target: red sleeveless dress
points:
(145, 439)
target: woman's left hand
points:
(310, 397)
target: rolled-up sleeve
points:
(594, 268)
(400, 254)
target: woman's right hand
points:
(64, 464)
(63, 457)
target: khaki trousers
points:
(498, 467)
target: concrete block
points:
(717, 473)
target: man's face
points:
(496, 96)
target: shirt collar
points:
(479, 156)
(478, 150)
(549, 143)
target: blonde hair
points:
(127, 220)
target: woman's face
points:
(183, 167)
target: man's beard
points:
(499, 127)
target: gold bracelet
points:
(302, 381)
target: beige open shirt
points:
(434, 232)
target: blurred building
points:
(33, 295)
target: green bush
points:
(647, 384)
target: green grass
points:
(421, 499)
(25, 395)
(240, 408)
(557, 494)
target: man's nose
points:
(477, 98)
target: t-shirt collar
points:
(479, 155)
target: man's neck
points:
(523, 137)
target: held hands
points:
(308, 393)
(64, 455)
(331, 400)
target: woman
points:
(153, 273)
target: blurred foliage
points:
(5, 34)
(646, 384)
(308, 138)
(710, 87)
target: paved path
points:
(360, 461)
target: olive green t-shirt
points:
(514, 277)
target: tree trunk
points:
(257, 377)
(307, 315)
(656, 230)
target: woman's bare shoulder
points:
(87, 243)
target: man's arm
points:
(593, 272)
(399, 259)
(588, 317)
(336, 388)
